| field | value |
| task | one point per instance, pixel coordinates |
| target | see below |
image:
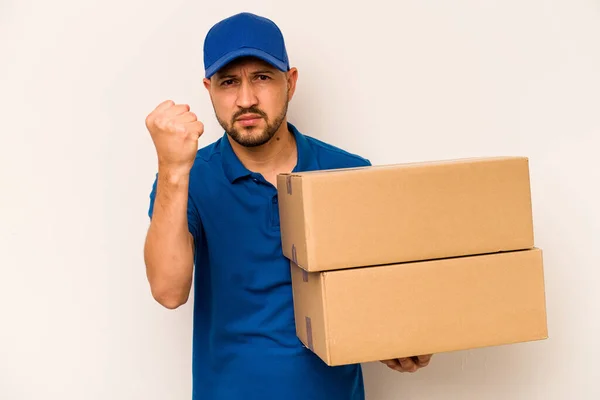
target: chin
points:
(250, 136)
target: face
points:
(250, 99)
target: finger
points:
(175, 110)
(164, 105)
(196, 128)
(423, 360)
(186, 117)
(158, 110)
(408, 364)
(394, 364)
(391, 363)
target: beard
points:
(244, 136)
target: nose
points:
(246, 96)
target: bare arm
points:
(169, 246)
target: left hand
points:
(408, 364)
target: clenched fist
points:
(175, 131)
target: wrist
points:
(174, 176)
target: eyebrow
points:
(221, 77)
(259, 72)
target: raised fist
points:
(175, 131)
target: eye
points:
(263, 77)
(227, 82)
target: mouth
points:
(249, 119)
(246, 117)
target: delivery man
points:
(216, 209)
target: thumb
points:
(196, 129)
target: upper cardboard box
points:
(354, 217)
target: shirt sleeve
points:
(193, 217)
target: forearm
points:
(169, 248)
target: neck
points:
(278, 155)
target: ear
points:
(206, 82)
(292, 78)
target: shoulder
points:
(208, 153)
(207, 158)
(332, 156)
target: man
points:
(216, 209)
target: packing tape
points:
(309, 337)
(288, 181)
(294, 254)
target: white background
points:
(394, 81)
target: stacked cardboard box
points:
(408, 259)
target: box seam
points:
(325, 316)
(306, 206)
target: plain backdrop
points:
(410, 80)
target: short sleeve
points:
(193, 217)
(358, 162)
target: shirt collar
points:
(234, 169)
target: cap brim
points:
(245, 52)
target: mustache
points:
(251, 110)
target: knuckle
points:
(171, 126)
(161, 124)
(182, 108)
(409, 366)
(179, 129)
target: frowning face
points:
(250, 98)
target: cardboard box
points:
(337, 219)
(375, 313)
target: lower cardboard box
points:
(375, 313)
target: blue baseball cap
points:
(242, 35)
